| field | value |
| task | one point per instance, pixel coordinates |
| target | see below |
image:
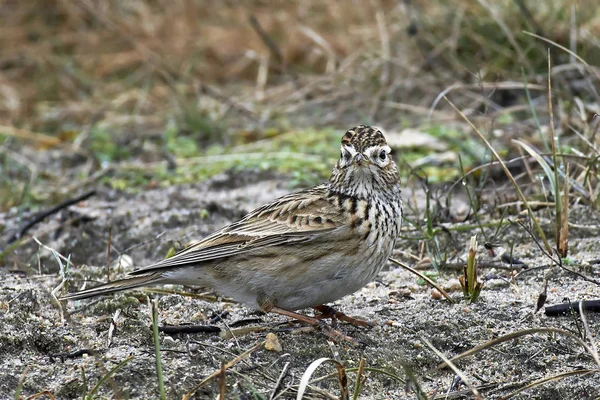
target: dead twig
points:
(558, 310)
(270, 43)
(173, 330)
(75, 354)
(39, 217)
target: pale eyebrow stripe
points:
(371, 149)
(349, 148)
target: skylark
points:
(302, 250)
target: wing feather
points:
(290, 219)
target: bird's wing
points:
(290, 219)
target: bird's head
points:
(365, 167)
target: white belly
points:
(294, 284)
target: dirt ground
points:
(406, 313)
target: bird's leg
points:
(327, 312)
(319, 323)
(330, 312)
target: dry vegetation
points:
(142, 62)
(130, 96)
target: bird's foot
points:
(330, 312)
(336, 335)
(330, 331)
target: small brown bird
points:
(302, 250)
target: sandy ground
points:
(146, 225)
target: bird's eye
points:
(382, 155)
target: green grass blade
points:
(106, 376)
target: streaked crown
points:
(362, 137)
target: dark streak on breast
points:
(356, 222)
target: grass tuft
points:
(469, 281)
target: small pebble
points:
(452, 285)
(272, 343)
(436, 295)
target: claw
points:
(332, 333)
(330, 312)
(336, 335)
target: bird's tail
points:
(116, 286)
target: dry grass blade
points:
(425, 278)
(477, 86)
(550, 379)
(43, 139)
(358, 383)
(222, 382)
(457, 371)
(536, 224)
(232, 333)
(581, 60)
(588, 333)
(230, 364)
(108, 253)
(507, 32)
(563, 243)
(268, 41)
(548, 170)
(282, 375)
(463, 393)
(324, 44)
(304, 382)
(44, 393)
(54, 252)
(591, 145)
(64, 271)
(518, 334)
(369, 369)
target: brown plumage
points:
(302, 250)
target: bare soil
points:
(146, 225)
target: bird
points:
(302, 250)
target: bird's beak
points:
(359, 159)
